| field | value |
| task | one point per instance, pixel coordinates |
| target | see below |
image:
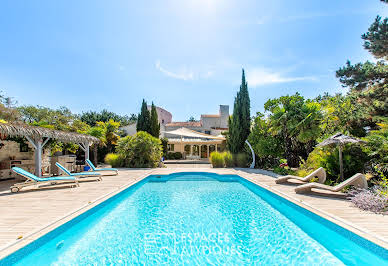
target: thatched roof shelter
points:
(339, 139)
(38, 137)
(35, 132)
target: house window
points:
(207, 132)
(170, 147)
(23, 147)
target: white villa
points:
(193, 139)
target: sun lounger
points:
(80, 175)
(106, 170)
(33, 180)
(357, 180)
(320, 173)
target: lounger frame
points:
(31, 182)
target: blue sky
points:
(186, 56)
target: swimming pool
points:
(198, 218)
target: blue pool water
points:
(198, 218)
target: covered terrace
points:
(39, 136)
(193, 144)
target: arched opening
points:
(195, 150)
(212, 148)
(204, 151)
(187, 150)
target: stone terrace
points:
(32, 213)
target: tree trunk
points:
(95, 154)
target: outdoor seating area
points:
(316, 180)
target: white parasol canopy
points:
(185, 132)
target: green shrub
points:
(241, 159)
(282, 170)
(217, 159)
(354, 160)
(174, 155)
(228, 159)
(164, 146)
(141, 150)
(113, 159)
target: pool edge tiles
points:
(34, 236)
(346, 233)
(341, 222)
(15, 256)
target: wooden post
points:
(86, 150)
(85, 147)
(341, 163)
(38, 158)
(38, 145)
(208, 151)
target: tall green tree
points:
(92, 117)
(155, 126)
(240, 122)
(367, 81)
(8, 111)
(267, 147)
(340, 114)
(144, 119)
(375, 40)
(297, 122)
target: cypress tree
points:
(144, 120)
(155, 126)
(240, 121)
(245, 108)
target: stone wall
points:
(11, 150)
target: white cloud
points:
(261, 76)
(183, 74)
(208, 74)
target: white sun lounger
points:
(33, 180)
(358, 180)
(320, 173)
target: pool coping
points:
(325, 215)
(18, 244)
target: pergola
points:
(39, 136)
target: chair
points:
(116, 172)
(358, 180)
(320, 173)
(80, 175)
(33, 180)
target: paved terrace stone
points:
(30, 210)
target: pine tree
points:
(240, 122)
(368, 81)
(155, 126)
(144, 120)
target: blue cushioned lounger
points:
(80, 175)
(33, 180)
(101, 169)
